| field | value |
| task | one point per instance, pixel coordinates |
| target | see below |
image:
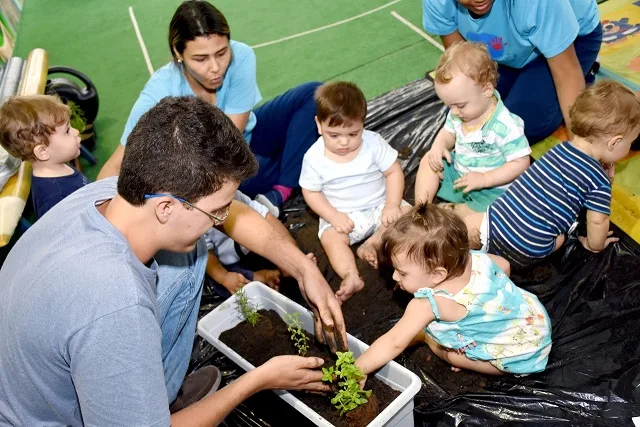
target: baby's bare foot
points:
(368, 252)
(351, 284)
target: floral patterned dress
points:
(509, 325)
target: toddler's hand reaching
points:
(435, 156)
(342, 223)
(470, 181)
(390, 214)
(234, 281)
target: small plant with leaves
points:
(348, 376)
(299, 338)
(247, 308)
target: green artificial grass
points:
(376, 51)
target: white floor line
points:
(335, 24)
(143, 47)
(417, 30)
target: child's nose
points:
(395, 276)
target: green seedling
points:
(348, 376)
(299, 338)
(246, 308)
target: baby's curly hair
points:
(471, 59)
(28, 121)
(430, 236)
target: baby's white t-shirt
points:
(355, 185)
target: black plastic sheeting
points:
(593, 300)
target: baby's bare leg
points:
(336, 245)
(368, 251)
(460, 361)
(427, 183)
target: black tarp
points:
(593, 300)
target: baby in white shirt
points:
(351, 178)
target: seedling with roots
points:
(246, 308)
(299, 338)
(348, 376)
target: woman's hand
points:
(292, 373)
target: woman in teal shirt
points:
(211, 66)
(544, 50)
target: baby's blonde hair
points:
(604, 110)
(471, 59)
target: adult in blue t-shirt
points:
(211, 66)
(544, 49)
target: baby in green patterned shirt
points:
(482, 142)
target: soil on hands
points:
(270, 338)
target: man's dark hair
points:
(186, 147)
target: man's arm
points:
(282, 372)
(248, 228)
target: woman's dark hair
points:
(186, 147)
(195, 18)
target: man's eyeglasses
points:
(217, 220)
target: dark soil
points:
(270, 338)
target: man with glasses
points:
(99, 299)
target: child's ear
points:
(613, 142)
(318, 124)
(41, 152)
(439, 275)
(487, 90)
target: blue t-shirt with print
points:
(238, 94)
(515, 31)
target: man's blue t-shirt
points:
(80, 339)
(47, 192)
(515, 31)
(238, 94)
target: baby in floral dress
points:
(465, 307)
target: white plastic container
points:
(225, 316)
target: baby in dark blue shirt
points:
(37, 129)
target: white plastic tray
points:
(225, 316)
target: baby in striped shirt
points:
(530, 220)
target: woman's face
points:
(206, 59)
(477, 7)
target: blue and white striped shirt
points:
(545, 201)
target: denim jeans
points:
(179, 289)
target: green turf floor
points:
(376, 51)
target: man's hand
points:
(234, 281)
(390, 214)
(470, 181)
(291, 373)
(585, 242)
(342, 223)
(329, 323)
(435, 156)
